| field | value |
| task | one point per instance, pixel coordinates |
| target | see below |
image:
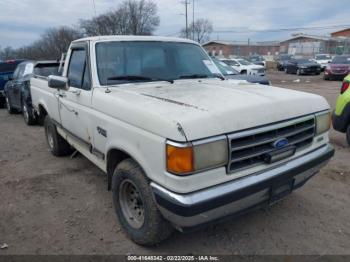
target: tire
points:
(10, 109)
(244, 72)
(28, 115)
(348, 135)
(57, 145)
(325, 78)
(135, 207)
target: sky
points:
(23, 21)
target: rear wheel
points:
(348, 135)
(58, 146)
(28, 115)
(10, 109)
(136, 209)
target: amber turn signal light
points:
(179, 159)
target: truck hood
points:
(204, 108)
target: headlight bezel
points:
(322, 122)
(200, 159)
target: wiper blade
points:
(193, 76)
(201, 76)
(129, 77)
(138, 78)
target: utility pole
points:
(186, 3)
(193, 20)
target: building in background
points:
(341, 33)
(240, 48)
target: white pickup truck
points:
(181, 146)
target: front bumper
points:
(186, 211)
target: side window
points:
(76, 68)
(86, 78)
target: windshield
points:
(124, 62)
(303, 60)
(256, 59)
(323, 57)
(243, 62)
(224, 68)
(285, 57)
(341, 60)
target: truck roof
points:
(134, 38)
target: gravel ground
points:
(52, 205)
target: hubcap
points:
(25, 113)
(49, 137)
(131, 204)
(8, 104)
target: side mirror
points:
(58, 82)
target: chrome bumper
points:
(240, 195)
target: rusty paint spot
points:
(174, 102)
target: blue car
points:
(6, 72)
(17, 90)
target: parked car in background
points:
(6, 71)
(181, 147)
(282, 59)
(302, 66)
(231, 73)
(17, 90)
(257, 60)
(338, 68)
(341, 114)
(245, 67)
(323, 60)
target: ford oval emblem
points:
(280, 143)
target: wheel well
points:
(114, 157)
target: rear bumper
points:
(310, 71)
(238, 196)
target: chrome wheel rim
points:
(25, 113)
(49, 137)
(131, 204)
(8, 104)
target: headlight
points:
(188, 158)
(323, 122)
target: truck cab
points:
(181, 147)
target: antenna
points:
(93, 2)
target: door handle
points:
(62, 95)
(76, 92)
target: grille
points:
(248, 147)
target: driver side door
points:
(75, 103)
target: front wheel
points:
(135, 207)
(10, 109)
(28, 114)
